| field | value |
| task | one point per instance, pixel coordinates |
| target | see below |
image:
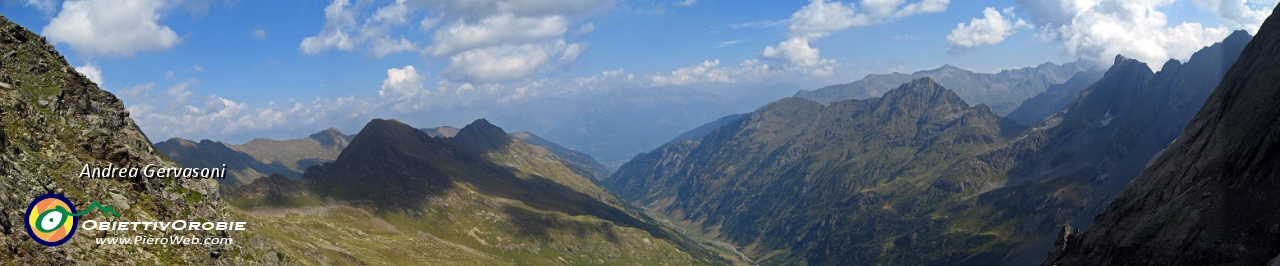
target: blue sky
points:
(227, 70)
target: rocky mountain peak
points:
(330, 138)
(481, 137)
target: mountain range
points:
(1003, 91)
(259, 157)
(1209, 199)
(918, 176)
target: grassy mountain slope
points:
(297, 154)
(481, 197)
(581, 163)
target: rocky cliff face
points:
(54, 122)
(1210, 198)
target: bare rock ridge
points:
(1210, 198)
(55, 120)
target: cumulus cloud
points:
(989, 30)
(106, 27)
(1136, 29)
(506, 28)
(91, 71)
(820, 18)
(338, 19)
(402, 83)
(796, 52)
(466, 32)
(507, 62)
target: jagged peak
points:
(923, 87)
(1126, 64)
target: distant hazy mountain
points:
(481, 197)
(242, 168)
(615, 126)
(1210, 198)
(298, 154)
(705, 129)
(259, 157)
(444, 131)
(1003, 91)
(1054, 98)
(918, 177)
(579, 162)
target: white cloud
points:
(396, 13)
(728, 43)
(91, 71)
(107, 27)
(796, 52)
(989, 30)
(1239, 14)
(507, 28)
(508, 62)
(384, 46)
(46, 6)
(820, 18)
(402, 83)
(466, 32)
(586, 28)
(1136, 29)
(475, 10)
(260, 34)
(712, 72)
(760, 24)
(687, 3)
(197, 68)
(338, 17)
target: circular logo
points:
(49, 220)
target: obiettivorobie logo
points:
(52, 220)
